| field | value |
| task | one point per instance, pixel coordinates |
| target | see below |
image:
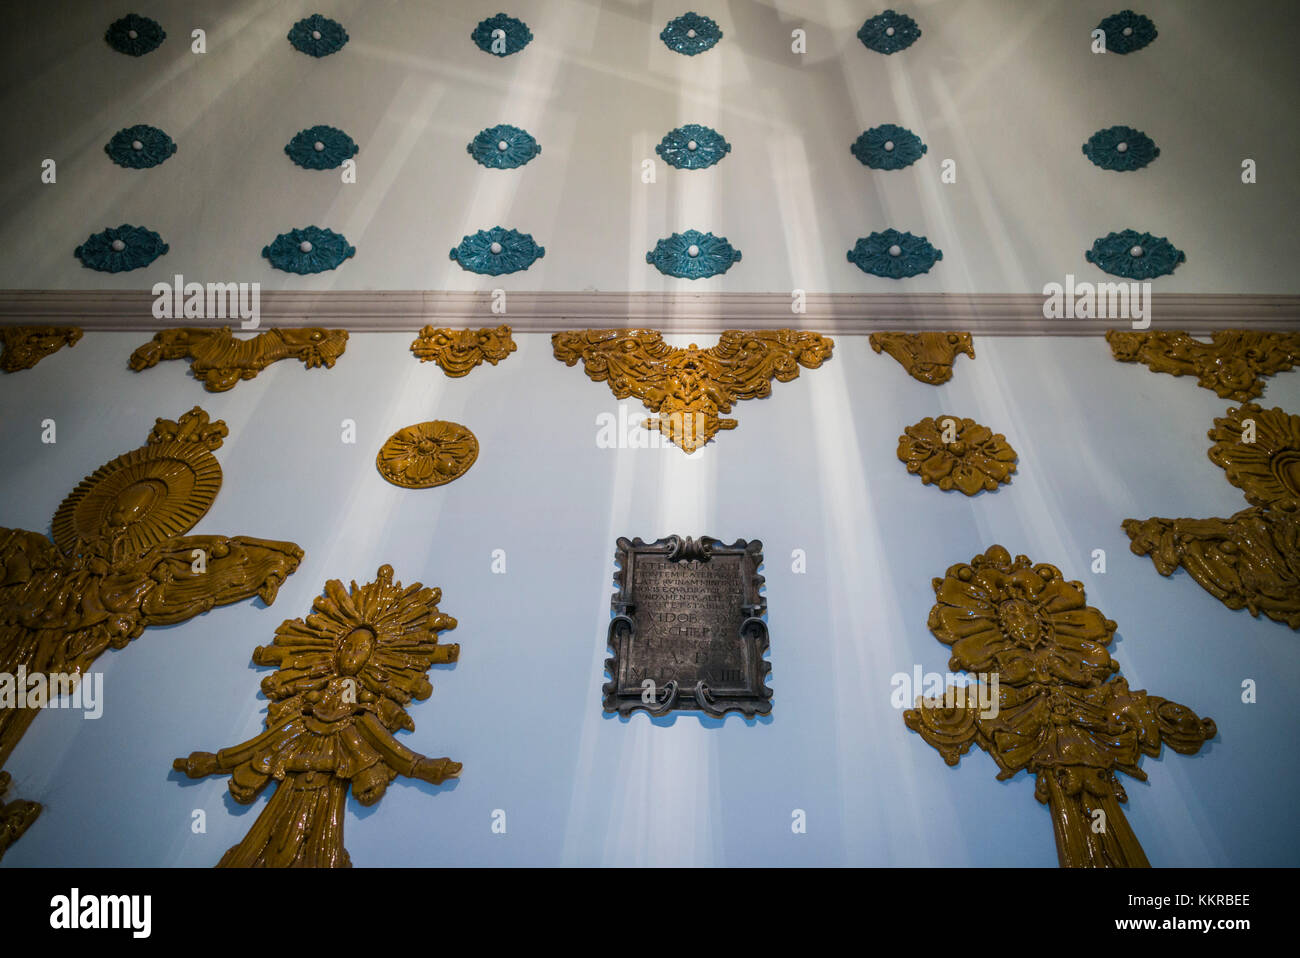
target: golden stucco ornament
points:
(25, 346)
(1250, 560)
(688, 388)
(1061, 711)
(121, 562)
(1231, 363)
(15, 816)
(927, 357)
(221, 360)
(1259, 451)
(956, 453)
(427, 454)
(458, 351)
(344, 676)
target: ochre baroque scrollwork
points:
(343, 678)
(15, 816)
(1248, 561)
(121, 562)
(689, 388)
(1231, 363)
(1252, 559)
(25, 346)
(957, 453)
(221, 360)
(1059, 710)
(458, 351)
(1259, 452)
(926, 356)
(427, 454)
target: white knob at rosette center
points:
(1136, 251)
(889, 31)
(1128, 31)
(118, 245)
(496, 249)
(692, 146)
(315, 34)
(137, 145)
(889, 146)
(692, 251)
(318, 146)
(895, 250)
(1121, 147)
(132, 34)
(502, 145)
(691, 34)
(305, 246)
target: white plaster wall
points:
(812, 468)
(1007, 88)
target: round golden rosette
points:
(427, 454)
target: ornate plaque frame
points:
(732, 635)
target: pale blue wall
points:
(813, 468)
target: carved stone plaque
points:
(688, 629)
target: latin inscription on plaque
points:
(688, 629)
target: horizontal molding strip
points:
(849, 314)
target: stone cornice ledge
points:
(988, 314)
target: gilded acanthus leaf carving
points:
(1061, 711)
(344, 676)
(689, 388)
(1259, 451)
(221, 360)
(121, 562)
(1231, 363)
(1250, 560)
(25, 346)
(458, 351)
(956, 453)
(927, 357)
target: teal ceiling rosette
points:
(1127, 31)
(889, 32)
(308, 250)
(497, 251)
(321, 148)
(1135, 255)
(888, 147)
(894, 255)
(139, 147)
(693, 255)
(692, 147)
(503, 147)
(690, 34)
(135, 35)
(514, 32)
(318, 36)
(120, 249)
(1120, 148)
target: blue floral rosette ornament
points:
(503, 147)
(692, 147)
(888, 147)
(135, 35)
(139, 147)
(119, 249)
(321, 148)
(889, 32)
(894, 255)
(497, 251)
(1120, 148)
(1127, 31)
(691, 34)
(318, 36)
(693, 255)
(501, 35)
(1135, 255)
(308, 250)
